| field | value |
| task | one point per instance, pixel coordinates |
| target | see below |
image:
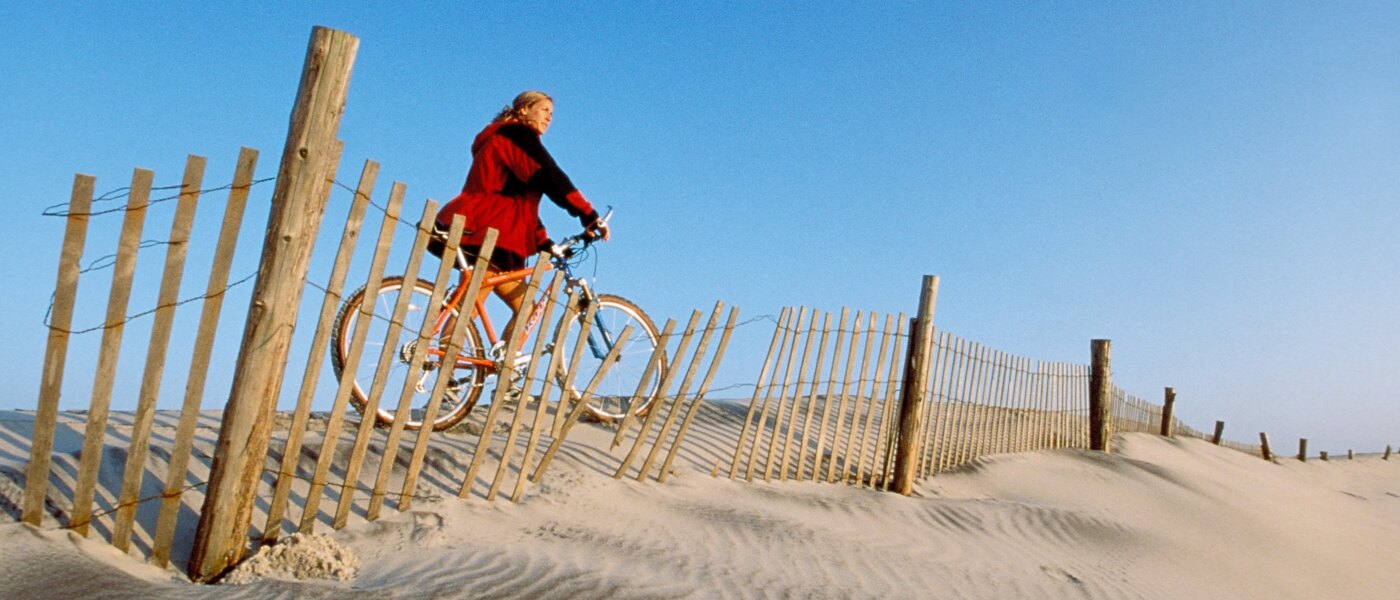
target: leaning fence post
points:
(1387, 453)
(295, 218)
(916, 377)
(1303, 449)
(1264, 446)
(1100, 396)
(1168, 407)
(36, 481)
(1219, 433)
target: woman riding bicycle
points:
(510, 171)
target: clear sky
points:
(1212, 185)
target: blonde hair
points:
(516, 109)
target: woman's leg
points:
(510, 292)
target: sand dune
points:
(1157, 519)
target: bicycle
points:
(480, 361)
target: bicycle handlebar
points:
(580, 240)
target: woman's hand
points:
(599, 230)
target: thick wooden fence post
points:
(1100, 396)
(1168, 411)
(1322, 455)
(297, 205)
(1264, 446)
(1303, 449)
(1219, 433)
(1387, 453)
(916, 378)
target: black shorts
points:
(501, 260)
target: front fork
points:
(600, 340)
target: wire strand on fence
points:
(123, 192)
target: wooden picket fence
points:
(834, 420)
(331, 455)
(827, 400)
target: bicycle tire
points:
(462, 394)
(613, 396)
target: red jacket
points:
(510, 171)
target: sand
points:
(1159, 518)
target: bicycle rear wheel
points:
(463, 390)
(615, 394)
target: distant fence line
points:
(827, 399)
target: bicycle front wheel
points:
(623, 383)
(462, 391)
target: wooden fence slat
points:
(972, 403)
(556, 359)
(1064, 406)
(837, 450)
(830, 397)
(1040, 424)
(986, 380)
(958, 399)
(937, 427)
(526, 383)
(630, 415)
(561, 412)
(1007, 421)
(387, 356)
(1052, 404)
(997, 407)
(699, 395)
(659, 401)
(953, 398)
(796, 400)
(1055, 405)
(316, 356)
(199, 361)
(847, 470)
(36, 480)
(1011, 423)
(958, 417)
(1083, 389)
(675, 408)
(375, 279)
(882, 452)
(783, 391)
(779, 337)
(123, 272)
(937, 381)
(1024, 406)
(874, 404)
(465, 316)
(976, 406)
(657, 358)
(582, 405)
(403, 408)
(986, 403)
(790, 343)
(1005, 397)
(504, 376)
(812, 401)
(156, 350)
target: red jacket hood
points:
(489, 131)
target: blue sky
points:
(1210, 185)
